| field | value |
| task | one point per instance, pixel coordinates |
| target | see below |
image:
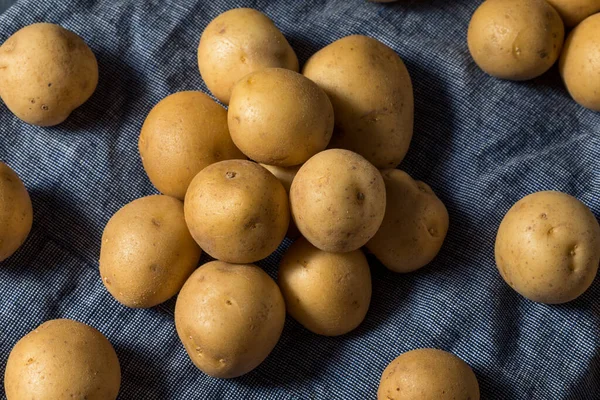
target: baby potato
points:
(147, 252)
(286, 176)
(372, 98)
(184, 133)
(328, 293)
(428, 374)
(573, 12)
(338, 200)
(46, 71)
(237, 211)
(548, 247)
(62, 359)
(238, 42)
(515, 39)
(16, 213)
(229, 318)
(414, 226)
(279, 117)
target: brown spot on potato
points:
(544, 216)
(32, 101)
(44, 107)
(155, 222)
(230, 175)
(360, 196)
(228, 302)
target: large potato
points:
(279, 117)
(573, 12)
(237, 211)
(147, 252)
(414, 226)
(184, 133)
(372, 98)
(428, 374)
(328, 293)
(46, 72)
(338, 200)
(238, 42)
(286, 176)
(229, 317)
(548, 247)
(16, 213)
(62, 359)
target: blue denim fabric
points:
(481, 143)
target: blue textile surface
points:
(481, 143)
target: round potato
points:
(414, 226)
(147, 252)
(338, 200)
(16, 213)
(428, 374)
(286, 176)
(229, 317)
(573, 12)
(548, 247)
(184, 133)
(279, 117)
(515, 39)
(238, 42)
(62, 359)
(237, 211)
(328, 293)
(372, 98)
(46, 71)
(580, 63)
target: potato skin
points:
(279, 117)
(63, 359)
(46, 71)
(237, 211)
(548, 247)
(238, 42)
(328, 293)
(414, 226)
(147, 252)
(229, 318)
(515, 39)
(338, 200)
(372, 98)
(181, 135)
(573, 12)
(16, 212)
(428, 374)
(286, 176)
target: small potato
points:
(229, 318)
(147, 252)
(286, 176)
(515, 39)
(16, 213)
(46, 71)
(573, 12)
(184, 133)
(414, 226)
(428, 374)
(237, 211)
(548, 247)
(580, 63)
(328, 293)
(62, 359)
(372, 98)
(238, 42)
(279, 117)
(338, 200)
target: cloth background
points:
(481, 143)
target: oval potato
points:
(16, 212)
(573, 12)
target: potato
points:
(279, 117)
(580, 63)
(238, 42)
(147, 252)
(286, 176)
(184, 133)
(414, 226)
(428, 374)
(338, 200)
(515, 39)
(573, 12)
(372, 98)
(62, 359)
(46, 71)
(16, 213)
(237, 211)
(328, 293)
(229, 317)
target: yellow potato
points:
(573, 12)
(286, 176)
(16, 213)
